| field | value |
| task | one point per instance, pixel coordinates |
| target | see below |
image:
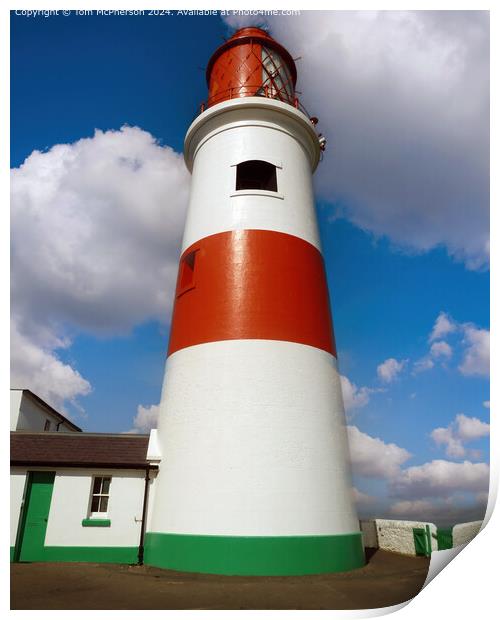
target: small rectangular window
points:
(47, 425)
(186, 273)
(255, 174)
(100, 495)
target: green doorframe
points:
(42, 477)
(423, 540)
(429, 539)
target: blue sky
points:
(402, 209)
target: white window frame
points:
(99, 515)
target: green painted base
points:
(115, 555)
(255, 555)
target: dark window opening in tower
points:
(186, 276)
(255, 174)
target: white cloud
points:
(37, 368)
(445, 436)
(476, 360)
(354, 397)
(462, 430)
(474, 455)
(360, 498)
(469, 429)
(390, 369)
(486, 403)
(482, 497)
(441, 511)
(372, 457)
(403, 97)
(95, 229)
(423, 364)
(434, 491)
(475, 343)
(146, 419)
(443, 326)
(409, 508)
(440, 478)
(441, 349)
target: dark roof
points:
(50, 409)
(78, 449)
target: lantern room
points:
(251, 64)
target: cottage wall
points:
(71, 504)
(17, 482)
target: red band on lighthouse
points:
(252, 284)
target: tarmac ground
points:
(387, 579)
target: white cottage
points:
(28, 412)
(79, 497)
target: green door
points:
(445, 538)
(35, 516)
(421, 540)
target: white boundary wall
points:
(369, 533)
(393, 535)
(398, 535)
(464, 532)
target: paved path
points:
(387, 579)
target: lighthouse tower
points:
(254, 476)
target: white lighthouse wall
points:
(264, 454)
(215, 205)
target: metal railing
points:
(245, 90)
(239, 92)
(258, 90)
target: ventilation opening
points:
(255, 174)
(186, 275)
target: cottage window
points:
(47, 425)
(100, 495)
